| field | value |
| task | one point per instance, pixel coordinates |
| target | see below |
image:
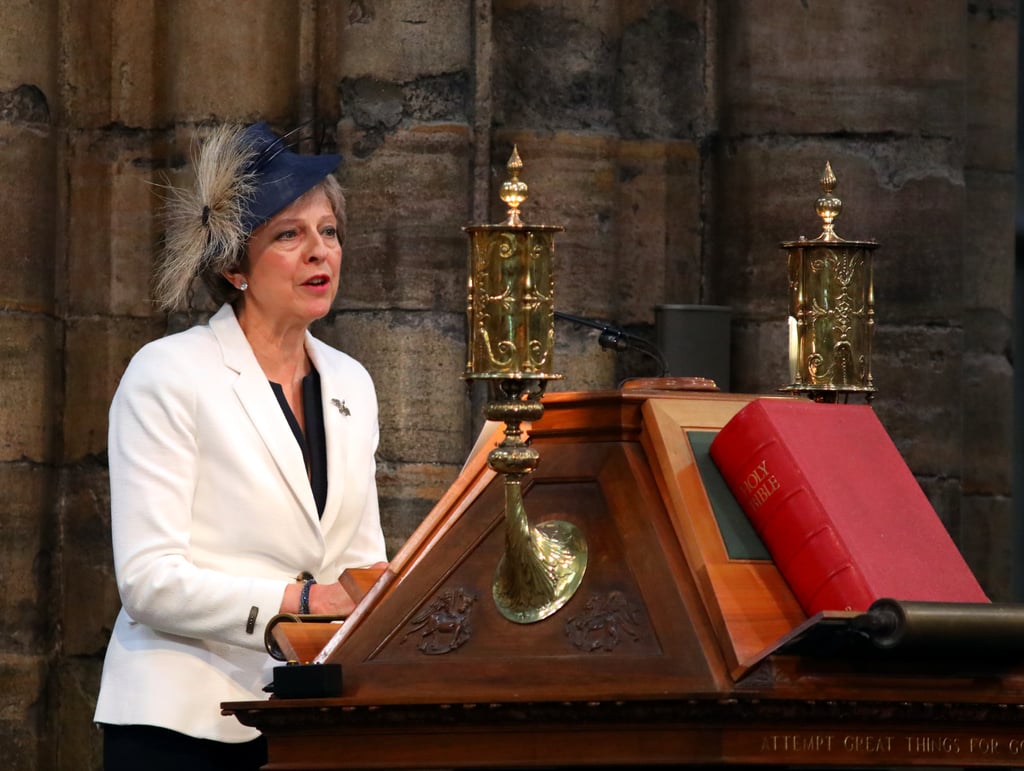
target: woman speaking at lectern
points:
(242, 472)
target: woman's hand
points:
(324, 599)
(330, 600)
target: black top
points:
(314, 443)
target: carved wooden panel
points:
(631, 630)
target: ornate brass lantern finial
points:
(513, 190)
(510, 315)
(832, 308)
(828, 206)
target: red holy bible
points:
(837, 507)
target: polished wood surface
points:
(300, 642)
(669, 653)
(359, 581)
(749, 602)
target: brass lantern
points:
(831, 308)
(510, 316)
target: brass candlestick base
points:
(542, 566)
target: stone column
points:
(406, 91)
(30, 376)
(987, 512)
(607, 104)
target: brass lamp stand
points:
(511, 339)
(832, 308)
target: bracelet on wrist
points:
(304, 596)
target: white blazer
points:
(212, 516)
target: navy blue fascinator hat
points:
(279, 176)
(244, 175)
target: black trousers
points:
(134, 747)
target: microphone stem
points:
(617, 339)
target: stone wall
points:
(678, 143)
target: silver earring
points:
(244, 286)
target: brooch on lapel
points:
(341, 407)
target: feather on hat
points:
(243, 177)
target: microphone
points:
(612, 339)
(615, 339)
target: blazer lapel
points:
(258, 400)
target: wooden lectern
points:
(683, 644)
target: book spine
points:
(780, 502)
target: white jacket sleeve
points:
(154, 463)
